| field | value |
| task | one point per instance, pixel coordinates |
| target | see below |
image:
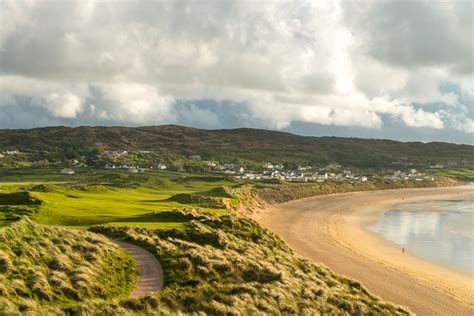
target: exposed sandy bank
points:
(329, 229)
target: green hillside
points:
(244, 144)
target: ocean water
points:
(439, 231)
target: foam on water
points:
(440, 231)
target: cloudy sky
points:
(381, 69)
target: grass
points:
(284, 192)
(155, 225)
(59, 267)
(224, 264)
(120, 197)
(463, 173)
(214, 261)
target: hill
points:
(243, 144)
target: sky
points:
(376, 69)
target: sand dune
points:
(328, 229)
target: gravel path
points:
(150, 273)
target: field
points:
(454, 172)
(89, 198)
(215, 260)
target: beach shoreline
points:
(454, 282)
(332, 230)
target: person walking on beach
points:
(403, 250)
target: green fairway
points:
(456, 172)
(100, 197)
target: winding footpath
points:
(150, 273)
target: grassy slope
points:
(58, 268)
(284, 192)
(229, 265)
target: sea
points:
(440, 231)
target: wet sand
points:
(330, 229)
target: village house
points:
(267, 165)
(67, 171)
(321, 176)
(307, 168)
(210, 164)
(116, 153)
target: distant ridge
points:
(246, 144)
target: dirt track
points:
(150, 273)
(319, 229)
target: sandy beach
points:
(330, 229)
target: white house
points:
(195, 157)
(267, 165)
(321, 176)
(210, 164)
(67, 171)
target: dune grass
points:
(57, 267)
(280, 192)
(227, 265)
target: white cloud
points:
(66, 104)
(341, 63)
(136, 103)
